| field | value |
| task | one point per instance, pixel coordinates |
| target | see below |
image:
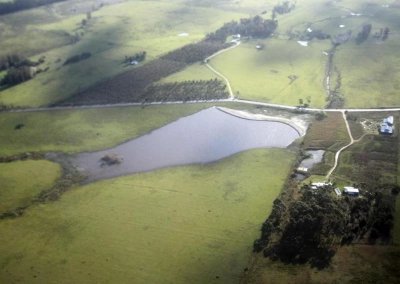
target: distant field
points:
(21, 181)
(83, 130)
(191, 224)
(113, 32)
(371, 76)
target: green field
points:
(85, 129)
(23, 180)
(376, 85)
(191, 224)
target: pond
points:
(314, 157)
(204, 137)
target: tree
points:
(385, 34)
(364, 34)
(15, 76)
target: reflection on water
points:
(206, 136)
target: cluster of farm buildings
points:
(347, 190)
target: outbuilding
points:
(349, 190)
(387, 126)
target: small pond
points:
(315, 157)
(204, 137)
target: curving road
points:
(228, 84)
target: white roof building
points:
(351, 190)
(315, 185)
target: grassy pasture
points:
(23, 180)
(264, 75)
(370, 73)
(189, 224)
(85, 129)
(113, 32)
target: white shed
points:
(351, 190)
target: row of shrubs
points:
(186, 91)
(131, 86)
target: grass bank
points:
(21, 181)
(189, 224)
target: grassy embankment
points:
(23, 180)
(191, 224)
(113, 32)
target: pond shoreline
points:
(204, 137)
(301, 130)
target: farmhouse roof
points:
(385, 128)
(390, 120)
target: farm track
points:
(352, 141)
(228, 84)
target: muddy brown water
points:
(203, 137)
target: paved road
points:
(277, 106)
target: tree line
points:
(310, 229)
(19, 5)
(185, 91)
(78, 57)
(256, 27)
(138, 57)
(19, 69)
